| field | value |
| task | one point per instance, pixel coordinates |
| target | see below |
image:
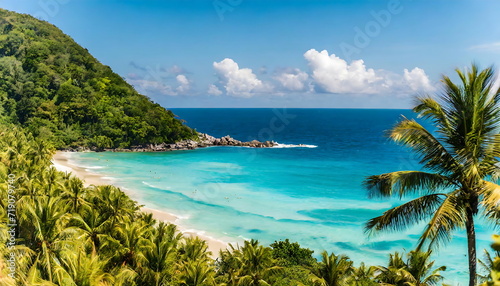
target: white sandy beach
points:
(61, 162)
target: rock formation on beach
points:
(205, 140)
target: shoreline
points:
(61, 162)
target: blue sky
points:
(264, 53)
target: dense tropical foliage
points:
(58, 91)
(460, 162)
(491, 265)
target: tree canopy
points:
(60, 92)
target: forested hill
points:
(58, 91)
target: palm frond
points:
(432, 153)
(490, 200)
(449, 216)
(429, 108)
(405, 215)
(403, 183)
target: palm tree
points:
(333, 270)
(83, 270)
(112, 202)
(133, 238)
(492, 265)
(363, 276)
(14, 150)
(194, 248)
(52, 179)
(251, 264)
(23, 254)
(395, 273)
(487, 265)
(258, 264)
(91, 226)
(415, 271)
(421, 268)
(42, 221)
(39, 153)
(31, 189)
(228, 264)
(197, 273)
(74, 194)
(457, 158)
(160, 258)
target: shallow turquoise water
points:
(310, 195)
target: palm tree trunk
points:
(471, 245)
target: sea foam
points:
(93, 167)
(279, 145)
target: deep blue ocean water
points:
(310, 195)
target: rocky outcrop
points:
(204, 140)
(229, 141)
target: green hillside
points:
(59, 92)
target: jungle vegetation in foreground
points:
(57, 90)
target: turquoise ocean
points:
(311, 194)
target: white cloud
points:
(214, 90)
(490, 47)
(332, 74)
(328, 74)
(293, 80)
(184, 83)
(182, 79)
(238, 81)
(417, 80)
